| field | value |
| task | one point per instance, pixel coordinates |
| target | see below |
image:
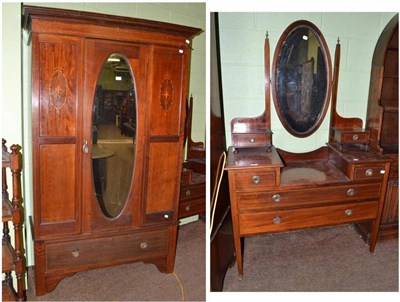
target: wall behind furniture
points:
(16, 109)
(242, 38)
(11, 106)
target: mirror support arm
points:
(338, 121)
(267, 82)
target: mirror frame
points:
(327, 57)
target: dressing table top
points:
(253, 158)
(355, 154)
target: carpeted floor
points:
(333, 259)
(139, 281)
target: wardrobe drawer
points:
(369, 172)
(255, 180)
(297, 198)
(286, 220)
(89, 252)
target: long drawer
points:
(286, 220)
(299, 198)
(90, 252)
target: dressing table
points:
(272, 190)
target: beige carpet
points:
(316, 260)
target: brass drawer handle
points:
(256, 179)
(348, 212)
(143, 245)
(75, 254)
(187, 208)
(252, 139)
(369, 172)
(188, 192)
(355, 137)
(276, 198)
(351, 192)
(276, 220)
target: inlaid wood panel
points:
(168, 64)
(58, 204)
(58, 101)
(163, 169)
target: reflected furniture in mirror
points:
(109, 101)
(273, 190)
(195, 150)
(382, 121)
(13, 252)
(192, 198)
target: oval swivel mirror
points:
(113, 135)
(301, 81)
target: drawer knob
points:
(188, 192)
(276, 198)
(348, 212)
(252, 139)
(256, 179)
(75, 254)
(143, 245)
(187, 208)
(351, 192)
(276, 220)
(369, 172)
(355, 137)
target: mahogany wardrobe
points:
(108, 103)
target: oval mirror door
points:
(301, 82)
(113, 135)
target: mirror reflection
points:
(113, 135)
(301, 81)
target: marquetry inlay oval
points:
(58, 88)
(166, 94)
